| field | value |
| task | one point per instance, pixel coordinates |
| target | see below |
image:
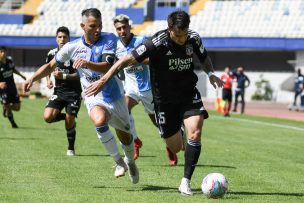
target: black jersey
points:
(65, 88)
(171, 65)
(7, 74)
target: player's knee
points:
(194, 134)
(102, 133)
(48, 118)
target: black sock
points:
(71, 135)
(192, 153)
(59, 117)
(10, 117)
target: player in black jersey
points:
(67, 92)
(8, 92)
(176, 98)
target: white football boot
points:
(133, 170)
(70, 152)
(185, 188)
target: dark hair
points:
(64, 30)
(91, 12)
(3, 48)
(178, 19)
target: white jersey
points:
(137, 77)
(80, 49)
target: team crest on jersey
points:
(97, 51)
(141, 49)
(189, 49)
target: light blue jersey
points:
(80, 49)
(137, 77)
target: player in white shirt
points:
(137, 84)
(92, 55)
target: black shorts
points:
(170, 116)
(227, 94)
(71, 105)
(7, 97)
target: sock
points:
(10, 117)
(71, 135)
(132, 127)
(192, 153)
(108, 140)
(59, 117)
(128, 148)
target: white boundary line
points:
(259, 123)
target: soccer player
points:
(92, 55)
(173, 80)
(8, 92)
(241, 80)
(67, 92)
(137, 84)
(227, 78)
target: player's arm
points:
(206, 62)
(208, 68)
(18, 73)
(65, 76)
(248, 81)
(42, 72)
(96, 86)
(102, 67)
(2, 82)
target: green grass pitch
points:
(262, 158)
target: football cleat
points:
(70, 152)
(137, 146)
(172, 157)
(133, 171)
(185, 188)
(120, 170)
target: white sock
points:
(128, 151)
(109, 142)
(132, 126)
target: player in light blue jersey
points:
(92, 55)
(137, 84)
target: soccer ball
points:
(215, 185)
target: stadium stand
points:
(266, 36)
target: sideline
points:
(260, 123)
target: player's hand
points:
(215, 81)
(58, 74)
(49, 84)
(95, 87)
(79, 63)
(27, 85)
(3, 85)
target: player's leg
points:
(72, 109)
(100, 116)
(120, 121)
(131, 102)
(52, 112)
(237, 93)
(243, 101)
(12, 101)
(229, 101)
(194, 115)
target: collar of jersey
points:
(86, 44)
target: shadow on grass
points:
(102, 155)
(268, 193)
(202, 165)
(36, 128)
(18, 138)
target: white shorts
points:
(118, 110)
(145, 97)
